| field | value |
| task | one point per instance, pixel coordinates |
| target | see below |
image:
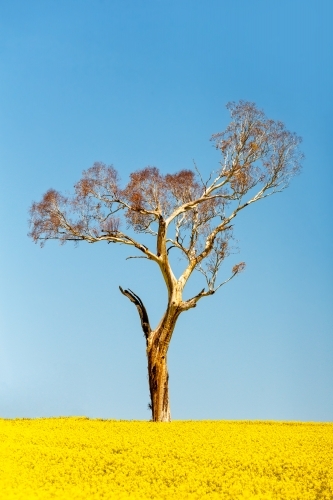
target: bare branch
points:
(236, 270)
(137, 257)
(141, 309)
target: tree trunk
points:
(157, 349)
(158, 383)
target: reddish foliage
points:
(144, 195)
(238, 268)
(47, 215)
(150, 194)
(145, 189)
(255, 151)
(183, 186)
(99, 179)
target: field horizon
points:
(84, 417)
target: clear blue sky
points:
(145, 82)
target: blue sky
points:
(145, 82)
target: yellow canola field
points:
(77, 458)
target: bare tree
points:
(181, 212)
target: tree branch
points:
(141, 309)
(189, 304)
(136, 257)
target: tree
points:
(182, 213)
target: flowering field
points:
(77, 458)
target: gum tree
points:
(181, 213)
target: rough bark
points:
(157, 350)
(158, 385)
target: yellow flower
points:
(82, 459)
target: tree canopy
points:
(258, 158)
(180, 211)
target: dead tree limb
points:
(141, 309)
